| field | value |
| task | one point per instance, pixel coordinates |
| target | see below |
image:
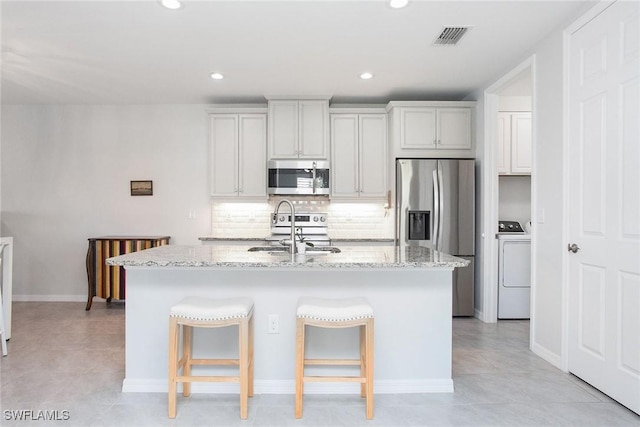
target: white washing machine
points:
(514, 273)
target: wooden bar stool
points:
(336, 313)
(209, 313)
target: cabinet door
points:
(417, 128)
(344, 155)
(252, 149)
(373, 155)
(223, 138)
(312, 129)
(283, 129)
(521, 143)
(504, 143)
(454, 128)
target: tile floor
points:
(62, 358)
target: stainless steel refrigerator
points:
(435, 208)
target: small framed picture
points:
(142, 188)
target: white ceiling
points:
(137, 52)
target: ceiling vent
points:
(450, 36)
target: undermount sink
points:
(316, 250)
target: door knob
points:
(573, 248)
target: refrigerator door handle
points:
(436, 209)
(441, 212)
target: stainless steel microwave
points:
(298, 177)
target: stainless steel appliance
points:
(435, 208)
(514, 271)
(312, 226)
(298, 177)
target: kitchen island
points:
(409, 289)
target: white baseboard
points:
(547, 355)
(288, 387)
(49, 298)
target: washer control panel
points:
(509, 227)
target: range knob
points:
(510, 226)
(315, 218)
(501, 226)
(282, 218)
(322, 219)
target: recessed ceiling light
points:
(397, 4)
(172, 4)
(366, 76)
(217, 76)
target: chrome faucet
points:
(293, 221)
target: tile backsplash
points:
(345, 220)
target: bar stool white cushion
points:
(334, 310)
(200, 308)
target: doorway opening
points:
(509, 187)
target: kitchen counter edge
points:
(238, 257)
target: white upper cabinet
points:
(298, 129)
(359, 155)
(453, 128)
(504, 143)
(431, 129)
(514, 143)
(238, 154)
(418, 128)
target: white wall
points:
(548, 130)
(481, 194)
(514, 201)
(65, 178)
(514, 103)
(547, 338)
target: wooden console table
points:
(109, 281)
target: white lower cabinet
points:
(358, 155)
(238, 150)
(514, 143)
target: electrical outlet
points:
(274, 324)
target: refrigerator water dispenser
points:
(419, 225)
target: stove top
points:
(310, 225)
(303, 219)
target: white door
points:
(252, 155)
(521, 136)
(344, 155)
(373, 155)
(604, 200)
(417, 128)
(283, 129)
(454, 128)
(313, 126)
(223, 135)
(504, 143)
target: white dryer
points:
(514, 275)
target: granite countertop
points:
(222, 256)
(232, 239)
(358, 240)
(262, 239)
